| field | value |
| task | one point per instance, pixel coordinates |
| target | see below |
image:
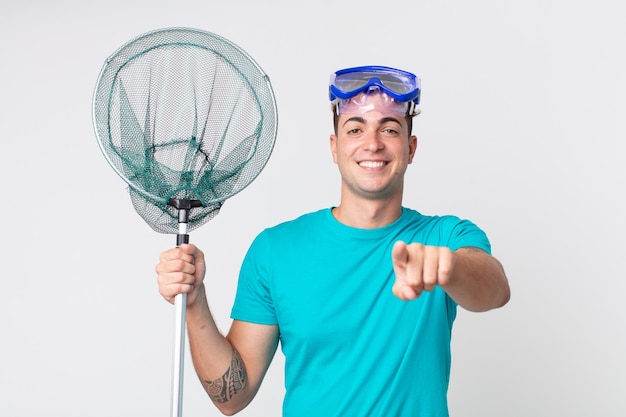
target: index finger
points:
(399, 254)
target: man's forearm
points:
(223, 389)
(217, 363)
(479, 282)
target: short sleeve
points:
(464, 233)
(253, 300)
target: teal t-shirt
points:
(351, 347)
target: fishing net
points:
(187, 119)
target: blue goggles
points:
(400, 85)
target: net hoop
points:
(161, 38)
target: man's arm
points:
(478, 282)
(472, 278)
(231, 368)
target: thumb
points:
(197, 259)
(199, 262)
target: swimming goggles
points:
(401, 86)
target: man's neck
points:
(368, 214)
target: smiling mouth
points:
(372, 164)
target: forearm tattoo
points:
(224, 389)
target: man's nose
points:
(373, 141)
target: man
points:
(363, 318)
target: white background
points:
(522, 131)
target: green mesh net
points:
(184, 117)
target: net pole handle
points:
(180, 310)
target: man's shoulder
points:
(303, 221)
(413, 215)
(448, 229)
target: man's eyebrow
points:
(389, 119)
(383, 120)
(357, 119)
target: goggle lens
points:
(353, 82)
(400, 85)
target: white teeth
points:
(372, 164)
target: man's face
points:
(372, 149)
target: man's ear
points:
(333, 147)
(412, 147)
